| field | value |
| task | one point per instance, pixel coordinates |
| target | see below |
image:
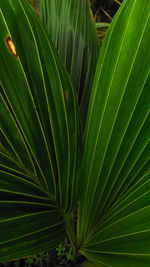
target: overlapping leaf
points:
(117, 145)
(39, 136)
(72, 29)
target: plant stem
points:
(70, 230)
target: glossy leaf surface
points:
(40, 138)
(117, 145)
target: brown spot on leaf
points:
(66, 95)
(11, 46)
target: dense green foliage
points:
(75, 132)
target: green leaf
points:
(40, 101)
(117, 145)
(71, 27)
(10, 132)
(89, 264)
(40, 139)
(43, 233)
(100, 25)
(29, 221)
(111, 260)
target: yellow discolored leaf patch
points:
(11, 46)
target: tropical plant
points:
(56, 176)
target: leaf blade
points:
(117, 127)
